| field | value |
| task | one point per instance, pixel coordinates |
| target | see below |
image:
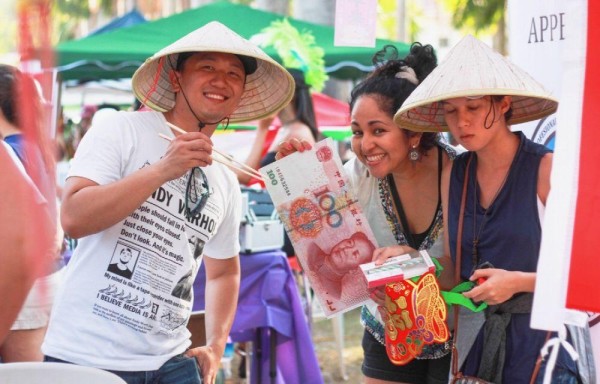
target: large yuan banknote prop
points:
(330, 234)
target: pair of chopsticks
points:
(225, 158)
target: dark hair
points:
(507, 115)
(302, 102)
(15, 86)
(17, 91)
(8, 93)
(181, 59)
(391, 91)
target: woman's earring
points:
(414, 154)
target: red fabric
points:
(414, 316)
(330, 112)
(34, 119)
(584, 274)
(294, 264)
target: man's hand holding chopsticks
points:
(185, 151)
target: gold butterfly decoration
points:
(414, 316)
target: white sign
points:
(355, 23)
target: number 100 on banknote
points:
(330, 234)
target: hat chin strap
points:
(201, 124)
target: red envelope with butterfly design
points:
(414, 316)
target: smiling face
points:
(474, 121)
(377, 141)
(213, 84)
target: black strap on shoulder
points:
(407, 234)
(440, 166)
(396, 197)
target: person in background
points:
(27, 332)
(62, 164)
(506, 179)
(60, 150)
(135, 182)
(297, 121)
(87, 114)
(396, 176)
(79, 130)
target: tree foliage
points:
(477, 15)
(387, 11)
(8, 27)
(480, 17)
(297, 50)
(415, 13)
(67, 14)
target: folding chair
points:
(63, 373)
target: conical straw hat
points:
(268, 89)
(472, 68)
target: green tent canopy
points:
(118, 53)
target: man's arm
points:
(221, 295)
(89, 208)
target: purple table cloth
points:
(269, 301)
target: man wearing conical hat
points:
(146, 181)
(493, 198)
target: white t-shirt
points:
(366, 190)
(135, 320)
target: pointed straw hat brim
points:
(266, 91)
(473, 69)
